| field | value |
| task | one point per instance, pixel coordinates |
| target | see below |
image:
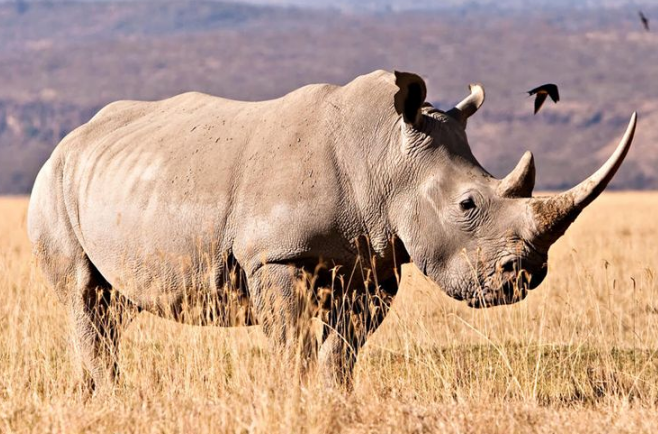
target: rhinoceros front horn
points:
(468, 105)
(553, 215)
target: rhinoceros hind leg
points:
(99, 315)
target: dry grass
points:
(580, 354)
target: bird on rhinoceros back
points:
(144, 208)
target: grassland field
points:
(580, 354)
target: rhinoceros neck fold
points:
(366, 148)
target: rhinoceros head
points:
(481, 239)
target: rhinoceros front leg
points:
(352, 319)
(282, 300)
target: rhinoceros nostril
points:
(538, 276)
(509, 266)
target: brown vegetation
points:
(579, 353)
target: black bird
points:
(645, 21)
(542, 91)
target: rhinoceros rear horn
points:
(521, 180)
(469, 105)
(411, 96)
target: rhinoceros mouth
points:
(508, 292)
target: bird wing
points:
(645, 21)
(539, 101)
(553, 92)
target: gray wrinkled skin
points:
(153, 204)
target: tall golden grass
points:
(579, 354)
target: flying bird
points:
(542, 92)
(645, 21)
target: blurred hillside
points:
(408, 5)
(62, 61)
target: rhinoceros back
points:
(157, 193)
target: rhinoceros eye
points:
(467, 204)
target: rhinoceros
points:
(227, 205)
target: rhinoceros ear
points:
(411, 96)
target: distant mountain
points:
(403, 5)
(61, 61)
(409, 5)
